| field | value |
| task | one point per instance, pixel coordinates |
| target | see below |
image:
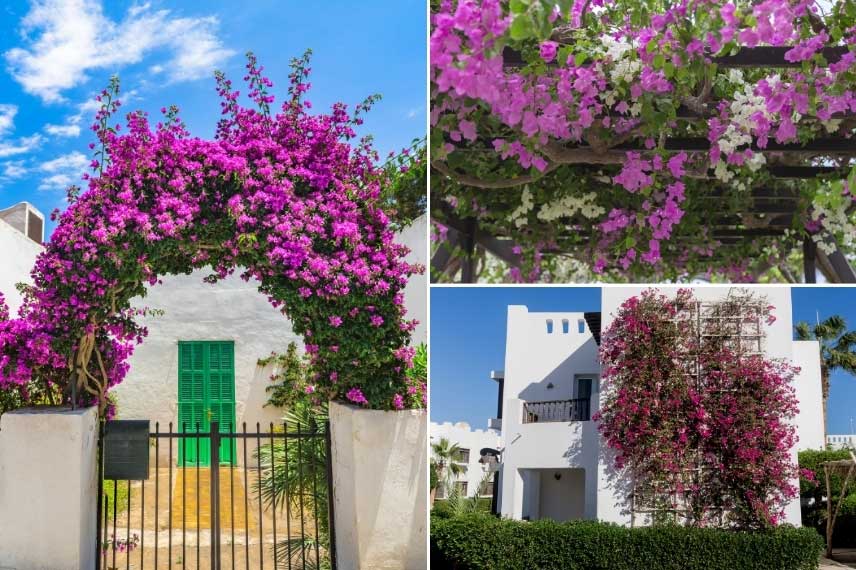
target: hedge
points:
(483, 542)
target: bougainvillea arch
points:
(641, 140)
(698, 419)
(290, 199)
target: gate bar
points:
(215, 495)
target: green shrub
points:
(481, 541)
(814, 493)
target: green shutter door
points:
(206, 393)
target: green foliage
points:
(292, 370)
(295, 471)
(404, 196)
(813, 494)
(479, 541)
(432, 475)
(419, 371)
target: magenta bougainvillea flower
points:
(289, 199)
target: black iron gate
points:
(266, 502)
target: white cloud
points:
(7, 118)
(19, 146)
(412, 113)
(13, 170)
(64, 171)
(68, 130)
(67, 38)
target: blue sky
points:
(55, 55)
(468, 341)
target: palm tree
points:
(446, 454)
(836, 350)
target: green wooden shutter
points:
(206, 393)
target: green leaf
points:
(579, 59)
(518, 6)
(659, 61)
(521, 28)
(651, 46)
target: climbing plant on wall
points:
(610, 137)
(288, 198)
(697, 417)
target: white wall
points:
(17, 256)
(48, 489)
(415, 236)
(809, 394)
(467, 438)
(841, 441)
(380, 488)
(228, 310)
(535, 359)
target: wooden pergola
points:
(845, 467)
(773, 209)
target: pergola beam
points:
(761, 56)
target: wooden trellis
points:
(772, 212)
(840, 466)
(736, 323)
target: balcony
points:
(577, 410)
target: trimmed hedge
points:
(476, 542)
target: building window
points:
(487, 489)
(461, 486)
(581, 326)
(566, 326)
(463, 455)
(549, 326)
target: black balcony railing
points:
(577, 410)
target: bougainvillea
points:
(594, 75)
(697, 417)
(290, 199)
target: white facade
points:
(471, 442)
(21, 235)
(841, 441)
(555, 464)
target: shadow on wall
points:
(561, 378)
(254, 408)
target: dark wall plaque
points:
(126, 450)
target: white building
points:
(554, 463)
(470, 443)
(841, 441)
(22, 230)
(229, 324)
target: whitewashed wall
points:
(467, 438)
(809, 394)
(17, 255)
(534, 359)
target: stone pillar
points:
(48, 488)
(380, 488)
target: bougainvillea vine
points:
(291, 200)
(699, 426)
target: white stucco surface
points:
(231, 309)
(48, 489)
(415, 236)
(17, 255)
(809, 394)
(543, 366)
(841, 441)
(380, 486)
(467, 438)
